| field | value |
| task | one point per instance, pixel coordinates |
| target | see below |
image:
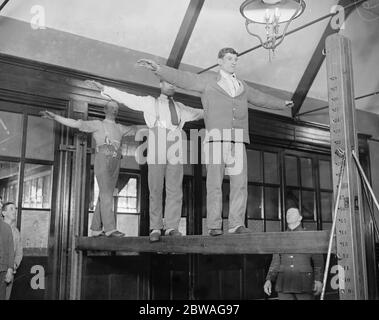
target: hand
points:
(9, 276)
(317, 287)
(267, 287)
(48, 115)
(94, 85)
(289, 104)
(148, 64)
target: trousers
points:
(295, 296)
(226, 158)
(106, 169)
(3, 285)
(173, 174)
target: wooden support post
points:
(349, 224)
(77, 206)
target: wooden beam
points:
(184, 33)
(254, 243)
(316, 61)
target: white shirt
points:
(146, 104)
(232, 82)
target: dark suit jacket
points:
(6, 247)
(221, 111)
(295, 273)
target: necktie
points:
(235, 84)
(174, 115)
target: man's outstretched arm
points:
(263, 100)
(182, 79)
(62, 120)
(131, 101)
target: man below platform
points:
(297, 276)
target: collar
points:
(165, 97)
(111, 121)
(227, 75)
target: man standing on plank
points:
(164, 117)
(225, 101)
(107, 134)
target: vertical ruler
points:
(349, 224)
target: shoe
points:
(240, 230)
(115, 234)
(215, 232)
(155, 236)
(173, 232)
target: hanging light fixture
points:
(271, 14)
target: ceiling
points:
(151, 26)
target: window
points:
(263, 204)
(326, 190)
(33, 160)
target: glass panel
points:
(292, 178)
(183, 226)
(254, 202)
(271, 203)
(10, 134)
(35, 229)
(40, 139)
(127, 196)
(271, 167)
(128, 224)
(325, 174)
(306, 172)
(37, 186)
(308, 205)
(326, 206)
(273, 226)
(254, 165)
(256, 225)
(225, 199)
(9, 176)
(292, 198)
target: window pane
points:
(35, 229)
(326, 206)
(254, 205)
(271, 203)
(128, 224)
(9, 175)
(254, 166)
(308, 205)
(37, 186)
(271, 167)
(40, 139)
(225, 199)
(325, 174)
(10, 134)
(292, 178)
(306, 172)
(292, 198)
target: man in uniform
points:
(297, 276)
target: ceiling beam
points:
(3, 4)
(184, 33)
(317, 59)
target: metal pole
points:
(336, 203)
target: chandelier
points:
(271, 14)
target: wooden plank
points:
(254, 243)
(184, 33)
(316, 61)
